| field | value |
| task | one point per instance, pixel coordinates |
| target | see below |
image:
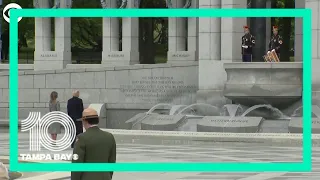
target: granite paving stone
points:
(219, 152)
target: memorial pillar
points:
(43, 36)
(63, 38)
(177, 34)
(45, 58)
(110, 39)
(193, 41)
(130, 39)
(232, 32)
(298, 38)
(314, 5)
(268, 26)
(212, 75)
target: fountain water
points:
(278, 113)
(232, 110)
(192, 120)
(315, 111)
(174, 109)
(296, 124)
(215, 109)
(230, 118)
(157, 106)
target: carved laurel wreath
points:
(187, 5)
(56, 4)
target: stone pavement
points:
(218, 152)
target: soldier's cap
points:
(246, 27)
(88, 114)
(275, 27)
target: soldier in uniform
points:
(275, 41)
(248, 41)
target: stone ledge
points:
(77, 68)
(192, 138)
(20, 66)
(263, 65)
(210, 134)
(4, 123)
(6, 73)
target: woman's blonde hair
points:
(53, 96)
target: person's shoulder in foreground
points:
(94, 146)
(4, 174)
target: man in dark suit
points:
(75, 109)
(94, 146)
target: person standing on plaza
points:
(75, 109)
(275, 41)
(93, 146)
(248, 42)
(54, 105)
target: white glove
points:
(246, 47)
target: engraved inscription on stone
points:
(49, 55)
(116, 55)
(157, 89)
(296, 125)
(163, 122)
(181, 55)
(228, 124)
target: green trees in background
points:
(87, 32)
(286, 26)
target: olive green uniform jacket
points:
(94, 146)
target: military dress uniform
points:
(275, 42)
(248, 42)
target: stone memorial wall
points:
(157, 89)
(126, 90)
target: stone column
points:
(177, 35)
(258, 29)
(298, 32)
(212, 75)
(268, 26)
(232, 32)
(43, 36)
(63, 38)
(61, 56)
(193, 42)
(110, 39)
(130, 39)
(314, 5)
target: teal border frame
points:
(305, 165)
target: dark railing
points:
(86, 57)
